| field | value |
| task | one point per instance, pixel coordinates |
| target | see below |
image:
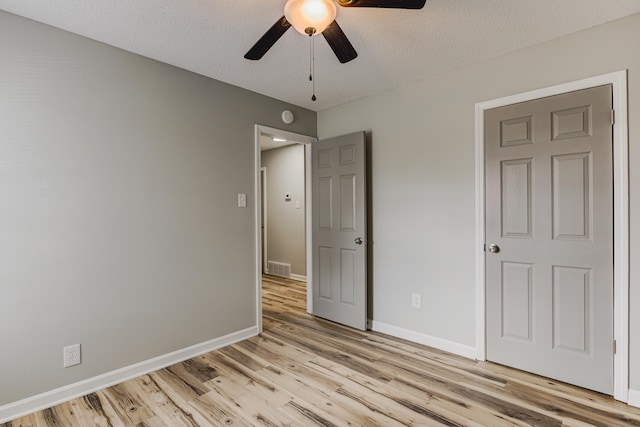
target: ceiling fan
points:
(312, 17)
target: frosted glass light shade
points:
(303, 14)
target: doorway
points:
(283, 207)
(620, 217)
(290, 201)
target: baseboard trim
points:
(634, 398)
(298, 277)
(420, 338)
(53, 397)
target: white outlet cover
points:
(71, 355)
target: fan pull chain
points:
(310, 57)
(312, 66)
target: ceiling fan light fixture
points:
(310, 17)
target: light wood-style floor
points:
(304, 371)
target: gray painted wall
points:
(423, 175)
(286, 224)
(118, 209)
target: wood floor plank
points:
(217, 412)
(305, 414)
(90, 412)
(325, 398)
(376, 396)
(433, 380)
(180, 392)
(25, 421)
(193, 372)
(255, 363)
(592, 412)
(256, 405)
(169, 407)
(307, 371)
(330, 353)
(102, 409)
(281, 348)
(127, 404)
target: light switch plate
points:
(242, 200)
(416, 300)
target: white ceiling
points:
(394, 46)
(267, 142)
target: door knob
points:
(493, 248)
(358, 240)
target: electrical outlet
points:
(71, 355)
(416, 301)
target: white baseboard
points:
(298, 277)
(634, 398)
(420, 338)
(50, 398)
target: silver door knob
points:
(493, 248)
(358, 240)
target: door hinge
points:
(613, 117)
(614, 347)
(484, 247)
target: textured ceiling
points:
(210, 37)
(267, 143)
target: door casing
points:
(263, 217)
(302, 139)
(621, 215)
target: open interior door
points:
(339, 230)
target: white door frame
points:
(263, 217)
(302, 139)
(620, 220)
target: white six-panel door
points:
(339, 230)
(549, 228)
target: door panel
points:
(324, 273)
(348, 203)
(347, 276)
(517, 300)
(571, 302)
(516, 198)
(571, 189)
(324, 202)
(339, 262)
(549, 193)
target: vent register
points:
(279, 269)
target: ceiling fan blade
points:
(392, 4)
(268, 39)
(339, 43)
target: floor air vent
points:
(279, 269)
